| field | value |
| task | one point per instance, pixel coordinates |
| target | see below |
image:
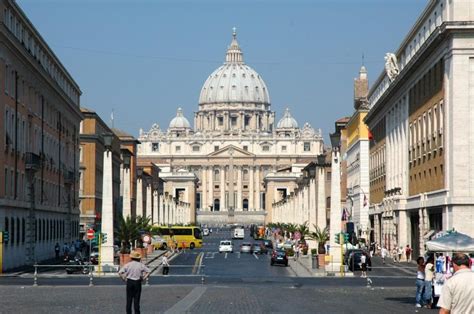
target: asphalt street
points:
(204, 280)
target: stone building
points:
(222, 166)
(39, 123)
(421, 113)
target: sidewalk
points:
(302, 267)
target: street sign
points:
(90, 234)
(146, 238)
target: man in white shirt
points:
(457, 295)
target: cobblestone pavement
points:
(261, 298)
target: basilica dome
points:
(287, 122)
(180, 121)
(234, 81)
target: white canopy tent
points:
(452, 242)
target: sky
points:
(143, 59)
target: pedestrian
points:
(363, 262)
(65, 250)
(429, 275)
(57, 249)
(384, 254)
(133, 273)
(166, 264)
(408, 251)
(395, 255)
(400, 252)
(420, 281)
(458, 291)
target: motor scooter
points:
(76, 262)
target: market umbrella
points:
(452, 242)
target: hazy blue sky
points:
(146, 58)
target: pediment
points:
(230, 150)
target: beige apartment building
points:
(39, 123)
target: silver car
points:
(246, 247)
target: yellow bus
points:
(181, 237)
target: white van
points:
(239, 233)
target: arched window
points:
(216, 205)
(245, 204)
(216, 175)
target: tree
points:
(143, 226)
(127, 233)
(320, 236)
(303, 230)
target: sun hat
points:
(135, 255)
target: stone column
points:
(156, 205)
(162, 209)
(306, 205)
(312, 205)
(166, 215)
(140, 209)
(107, 220)
(211, 187)
(335, 221)
(126, 200)
(251, 191)
(204, 189)
(257, 188)
(239, 188)
(222, 187)
(321, 207)
(149, 208)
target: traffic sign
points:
(90, 234)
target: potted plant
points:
(143, 227)
(320, 236)
(126, 232)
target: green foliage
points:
(314, 251)
(303, 230)
(320, 236)
(290, 252)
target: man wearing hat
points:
(133, 273)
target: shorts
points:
(364, 266)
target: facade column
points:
(251, 191)
(162, 210)
(204, 189)
(210, 177)
(223, 206)
(239, 188)
(335, 221)
(257, 188)
(156, 206)
(107, 220)
(312, 205)
(306, 205)
(321, 207)
(140, 209)
(126, 197)
(149, 208)
(166, 207)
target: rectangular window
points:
(220, 121)
(246, 148)
(155, 147)
(233, 121)
(196, 148)
(283, 148)
(178, 149)
(216, 148)
(307, 146)
(265, 148)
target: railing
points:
(90, 266)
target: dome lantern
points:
(287, 121)
(180, 121)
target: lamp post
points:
(126, 197)
(107, 217)
(32, 165)
(335, 212)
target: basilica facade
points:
(236, 160)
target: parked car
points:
(158, 242)
(354, 260)
(226, 246)
(259, 248)
(285, 245)
(267, 243)
(347, 255)
(246, 247)
(279, 257)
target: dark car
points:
(267, 243)
(347, 254)
(354, 260)
(279, 257)
(259, 248)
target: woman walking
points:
(420, 281)
(429, 275)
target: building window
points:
(216, 148)
(220, 121)
(178, 149)
(196, 148)
(307, 146)
(155, 147)
(265, 148)
(233, 121)
(246, 148)
(283, 148)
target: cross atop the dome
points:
(234, 32)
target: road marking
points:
(196, 262)
(185, 304)
(225, 255)
(255, 255)
(238, 254)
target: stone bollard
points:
(91, 277)
(35, 277)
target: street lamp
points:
(126, 199)
(108, 139)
